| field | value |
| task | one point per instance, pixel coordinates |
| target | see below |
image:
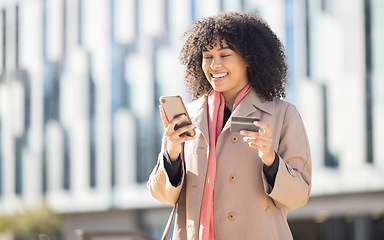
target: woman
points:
(234, 185)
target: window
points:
(19, 165)
(72, 24)
(374, 65)
(44, 184)
(290, 48)
(193, 10)
(307, 39)
(2, 41)
(375, 78)
(327, 6)
(232, 5)
(368, 81)
(67, 162)
(92, 131)
(17, 34)
(314, 71)
(330, 159)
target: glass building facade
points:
(79, 123)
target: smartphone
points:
(174, 107)
(244, 123)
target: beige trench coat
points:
(245, 205)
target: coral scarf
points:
(216, 103)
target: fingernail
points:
(242, 132)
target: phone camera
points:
(163, 100)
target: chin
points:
(218, 89)
(218, 86)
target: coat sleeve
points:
(159, 184)
(293, 179)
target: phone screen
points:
(174, 107)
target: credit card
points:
(243, 123)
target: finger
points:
(179, 131)
(177, 138)
(262, 142)
(184, 129)
(249, 133)
(255, 146)
(263, 126)
(164, 118)
(170, 129)
(258, 147)
(262, 149)
(258, 135)
(187, 138)
(178, 120)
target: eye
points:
(207, 57)
(223, 56)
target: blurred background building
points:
(79, 123)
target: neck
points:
(229, 101)
(230, 97)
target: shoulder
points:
(287, 111)
(281, 103)
(284, 106)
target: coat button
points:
(232, 177)
(235, 139)
(291, 170)
(231, 216)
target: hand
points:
(261, 141)
(174, 140)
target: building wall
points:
(345, 125)
(339, 86)
(80, 82)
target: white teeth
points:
(219, 75)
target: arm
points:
(173, 169)
(293, 179)
(160, 185)
(271, 171)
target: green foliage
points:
(32, 222)
(5, 223)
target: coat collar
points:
(251, 102)
(198, 110)
(246, 106)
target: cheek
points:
(205, 68)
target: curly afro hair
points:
(249, 36)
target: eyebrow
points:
(222, 48)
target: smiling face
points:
(225, 70)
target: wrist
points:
(173, 156)
(269, 159)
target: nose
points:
(215, 63)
